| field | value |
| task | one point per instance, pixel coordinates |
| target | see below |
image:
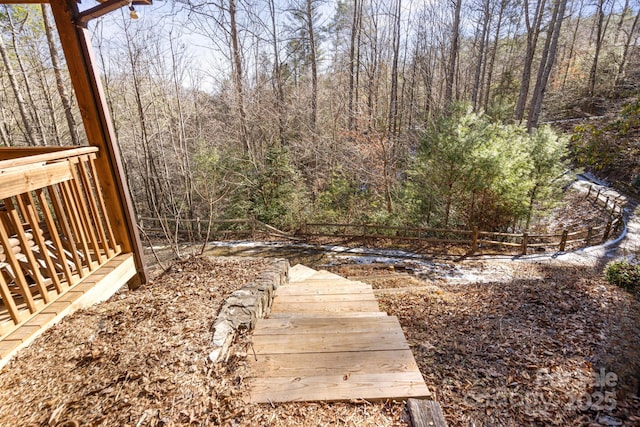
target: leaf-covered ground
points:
(527, 351)
(522, 350)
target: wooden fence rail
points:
(477, 241)
(196, 229)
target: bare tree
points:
(393, 97)
(627, 43)
(453, 52)
(354, 62)
(546, 63)
(238, 78)
(533, 32)
(57, 70)
(28, 131)
(483, 42)
(494, 52)
(278, 83)
(314, 65)
(598, 47)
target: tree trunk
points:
(533, 31)
(572, 46)
(22, 108)
(314, 68)
(599, 38)
(150, 176)
(184, 157)
(627, 43)
(57, 69)
(393, 98)
(494, 50)
(277, 80)
(27, 81)
(453, 53)
(238, 80)
(355, 28)
(486, 18)
(546, 64)
(372, 72)
(45, 90)
(623, 15)
(4, 135)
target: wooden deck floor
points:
(327, 340)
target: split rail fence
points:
(198, 229)
(477, 241)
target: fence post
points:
(589, 235)
(474, 243)
(606, 204)
(619, 223)
(607, 231)
(589, 192)
(525, 238)
(563, 240)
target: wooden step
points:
(379, 386)
(326, 339)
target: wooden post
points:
(474, 242)
(589, 235)
(607, 231)
(606, 204)
(619, 222)
(525, 238)
(89, 93)
(563, 240)
(589, 192)
(425, 413)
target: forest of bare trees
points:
(294, 109)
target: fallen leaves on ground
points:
(527, 351)
(140, 359)
(516, 352)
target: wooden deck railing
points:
(54, 227)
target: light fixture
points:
(132, 12)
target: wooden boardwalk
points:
(327, 340)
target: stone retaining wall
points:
(245, 306)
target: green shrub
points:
(471, 171)
(624, 274)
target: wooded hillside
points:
(305, 109)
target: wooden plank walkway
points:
(327, 340)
